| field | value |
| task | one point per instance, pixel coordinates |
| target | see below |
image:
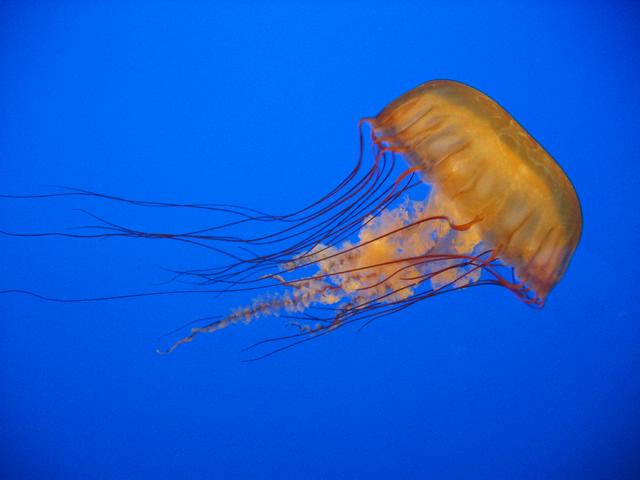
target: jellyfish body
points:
(498, 200)
(483, 164)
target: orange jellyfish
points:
(500, 212)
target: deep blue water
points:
(258, 105)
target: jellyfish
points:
(499, 211)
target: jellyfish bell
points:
(482, 164)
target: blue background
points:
(258, 105)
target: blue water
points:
(258, 105)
